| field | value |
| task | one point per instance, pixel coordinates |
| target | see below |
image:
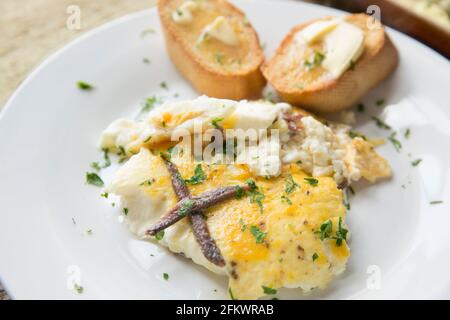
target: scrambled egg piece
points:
(270, 245)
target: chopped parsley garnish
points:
(315, 256)
(436, 202)
(380, 102)
(407, 133)
(185, 207)
(255, 195)
(347, 205)
(258, 234)
(149, 104)
(352, 65)
(341, 233)
(312, 181)
(268, 290)
(325, 230)
(231, 294)
(147, 182)
(93, 179)
(95, 166)
(121, 151)
(89, 231)
(159, 235)
(215, 122)
(198, 177)
(164, 85)
(105, 195)
(166, 276)
(290, 185)
(147, 31)
(78, 289)
(360, 107)
(352, 191)
(285, 198)
(269, 96)
(416, 162)
(381, 124)
(354, 134)
(146, 60)
(243, 225)
(84, 86)
(395, 142)
(165, 155)
(240, 192)
(125, 211)
(219, 57)
(316, 61)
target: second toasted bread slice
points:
(299, 75)
(214, 46)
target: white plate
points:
(48, 138)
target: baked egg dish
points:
(266, 222)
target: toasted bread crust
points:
(378, 61)
(245, 83)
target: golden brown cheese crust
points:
(377, 61)
(286, 255)
(214, 68)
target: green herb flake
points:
(325, 230)
(290, 185)
(285, 198)
(436, 202)
(231, 294)
(380, 124)
(219, 57)
(312, 181)
(240, 192)
(147, 32)
(165, 276)
(258, 234)
(159, 235)
(185, 207)
(78, 289)
(341, 233)
(89, 232)
(380, 102)
(93, 179)
(361, 107)
(164, 85)
(255, 195)
(84, 86)
(147, 182)
(315, 256)
(352, 191)
(407, 133)
(243, 225)
(125, 211)
(397, 145)
(104, 195)
(416, 162)
(146, 60)
(215, 122)
(149, 104)
(316, 61)
(352, 65)
(354, 134)
(198, 177)
(268, 290)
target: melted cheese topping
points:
(283, 259)
(222, 30)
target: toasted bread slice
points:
(217, 63)
(313, 88)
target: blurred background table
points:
(33, 29)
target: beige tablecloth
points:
(33, 29)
